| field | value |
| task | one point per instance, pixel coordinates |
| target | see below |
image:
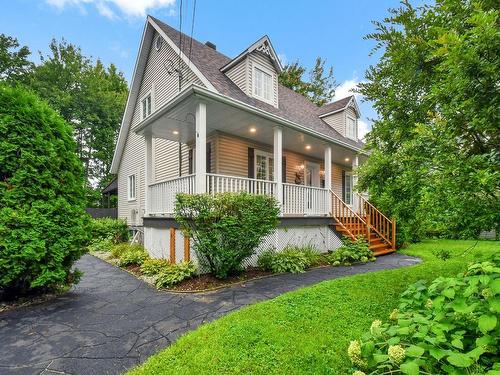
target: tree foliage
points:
(226, 228)
(320, 88)
(435, 162)
(14, 63)
(42, 216)
(89, 96)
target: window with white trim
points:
(262, 84)
(351, 131)
(348, 188)
(264, 166)
(131, 187)
(146, 104)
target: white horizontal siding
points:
(238, 74)
(336, 121)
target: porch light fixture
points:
(346, 159)
(175, 132)
(308, 147)
(253, 130)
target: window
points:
(146, 106)
(348, 188)
(264, 166)
(131, 187)
(351, 128)
(263, 84)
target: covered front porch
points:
(224, 146)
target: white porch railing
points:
(217, 183)
(161, 195)
(304, 200)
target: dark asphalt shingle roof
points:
(292, 106)
(335, 106)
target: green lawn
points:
(306, 331)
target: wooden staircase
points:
(368, 221)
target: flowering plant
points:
(449, 327)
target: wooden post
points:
(172, 245)
(187, 252)
(394, 234)
(368, 228)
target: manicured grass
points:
(306, 331)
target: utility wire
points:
(180, 45)
(192, 30)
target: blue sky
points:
(303, 30)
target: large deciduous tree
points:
(319, 88)
(14, 63)
(89, 96)
(435, 156)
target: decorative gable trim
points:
(262, 45)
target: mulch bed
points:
(6, 305)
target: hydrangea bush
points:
(449, 327)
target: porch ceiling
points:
(178, 124)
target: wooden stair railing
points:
(351, 223)
(377, 222)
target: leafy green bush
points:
(174, 274)
(42, 204)
(106, 227)
(152, 267)
(226, 228)
(351, 252)
(129, 254)
(293, 259)
(101, 244)
(451, 326)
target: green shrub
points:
(42, 203)
(293, 259)
(226, 228)
(351, 252)
(451, 326)
(129, 254)
(152, 267)
(100, 245)
(174, 274)
(116, 229)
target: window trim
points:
(151, 109)
(355, 127)
(349, 175)
(268, 156)
(131, 198)
(265, 71)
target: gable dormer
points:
(342, 115)
(255, 71)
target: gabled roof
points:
(292, 106)
(207, 63)
(263, 45)
(339, 105)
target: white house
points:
(197, 121)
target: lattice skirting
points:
(322, 237)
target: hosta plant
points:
(174, 274)
(448, 327)
(351, 252)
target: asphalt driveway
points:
(112, 321)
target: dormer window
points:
(351, 131)
(146, 106)
(263, 84)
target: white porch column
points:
(355, 199)
(278, 164)
(201, 148)
(328, 175)
(148, 170)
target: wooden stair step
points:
(379, 246)
(383, 252)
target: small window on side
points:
(146, 106)
(131, 188)
(351, 128)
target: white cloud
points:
(363, 128)
(345, 89)
(109, 8)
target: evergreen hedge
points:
(42, 217)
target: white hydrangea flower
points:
(397, 354)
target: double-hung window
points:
(146, 106)
(131, 187)
(351, 128)
(264, 166)
(263, 84)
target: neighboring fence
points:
(98, 213)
